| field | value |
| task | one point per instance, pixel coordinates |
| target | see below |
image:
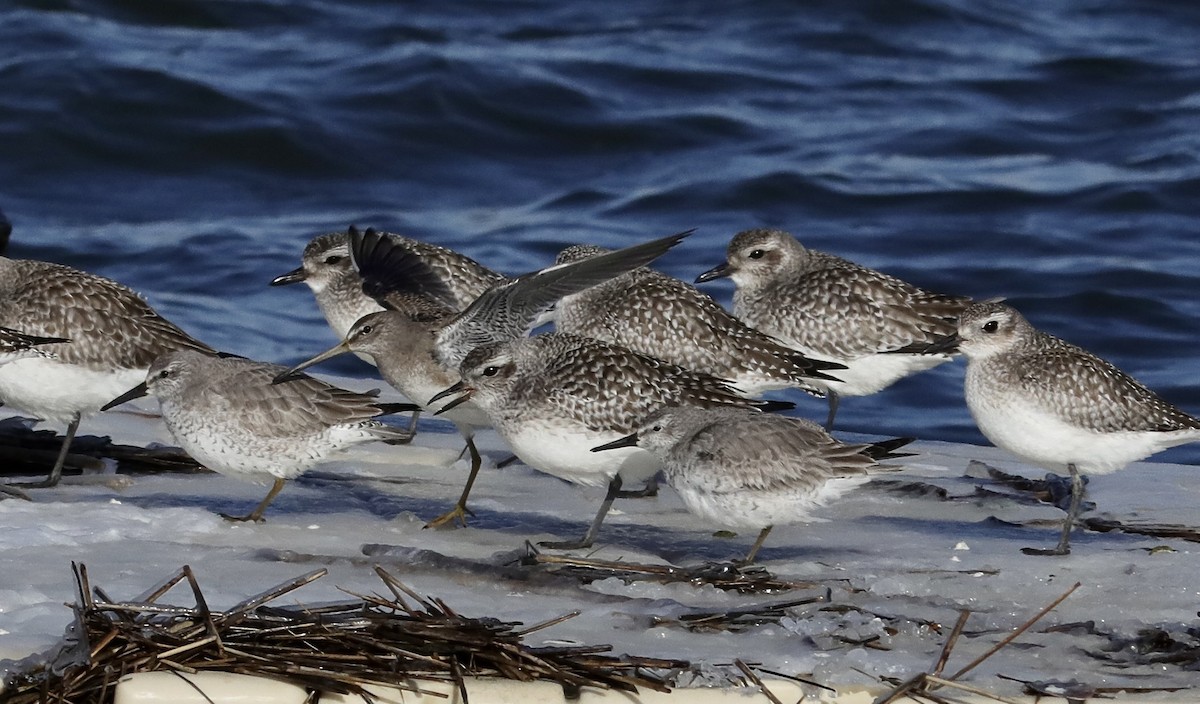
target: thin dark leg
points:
(459, 513)
(257, 514)
(614, 488)
(56, 472)
(833, 398)
(412, 423)
(1064, 540)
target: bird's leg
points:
(412, 424)
(833, 398)
(614, 488)
(1064, 540)
(56, 472)
(762, 536)
(459, 513)
(256, 515)
(648, 491)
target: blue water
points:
(1047, 152)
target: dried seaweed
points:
(383, 640)
(738, 619)
(924, 685)
(25, 451)
(728, 576)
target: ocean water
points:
(1046, 152)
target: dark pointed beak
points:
(944, 345)
(459, 388)
(627, 441)
(294, 276)
(340, 348)
(719, 271)
(136, 392)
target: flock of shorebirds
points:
(643, 373)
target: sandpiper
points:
(400, 342)
(114, 336)
(835, 310)
(227, 413)
(1056, 405)
(744, 469)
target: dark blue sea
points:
(1047, 152)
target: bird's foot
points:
(453, 518)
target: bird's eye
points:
(491, 371)
(164, 374)
(991, 326)
(757, 254)
(656, 429)
(333, 259)
(366, 330)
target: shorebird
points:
(422, 344)
(835, 310)
(114, 336)
(1056, 405)
(327, 269)
(659, 315)
(229, 415)
(554, 397)
(744, 469)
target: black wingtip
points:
(770, 406)
(886, 449)
(390, 408)
(387, 266)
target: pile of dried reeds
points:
(339, 648)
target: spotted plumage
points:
(505, 310)
(227, 413)
(659, 315)
(326, 267)
(553, 397)
(114, 336)
(835, 310)
(401, 341)
(1057, 405)
(743, 469)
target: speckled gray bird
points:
(835, 310)
(113, 336)
(402, 280)
(748, 470)
(554, 397)
(400, 342)
(229, 415)
(1058, 406)
(655, 314)
(326, 267)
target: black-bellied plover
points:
(114, 336)
(740, 468)
(401, 279)
(328, 270)
(554, 397)
(227, 413)
(1058, 406)
(655, 314)
(835, 310)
